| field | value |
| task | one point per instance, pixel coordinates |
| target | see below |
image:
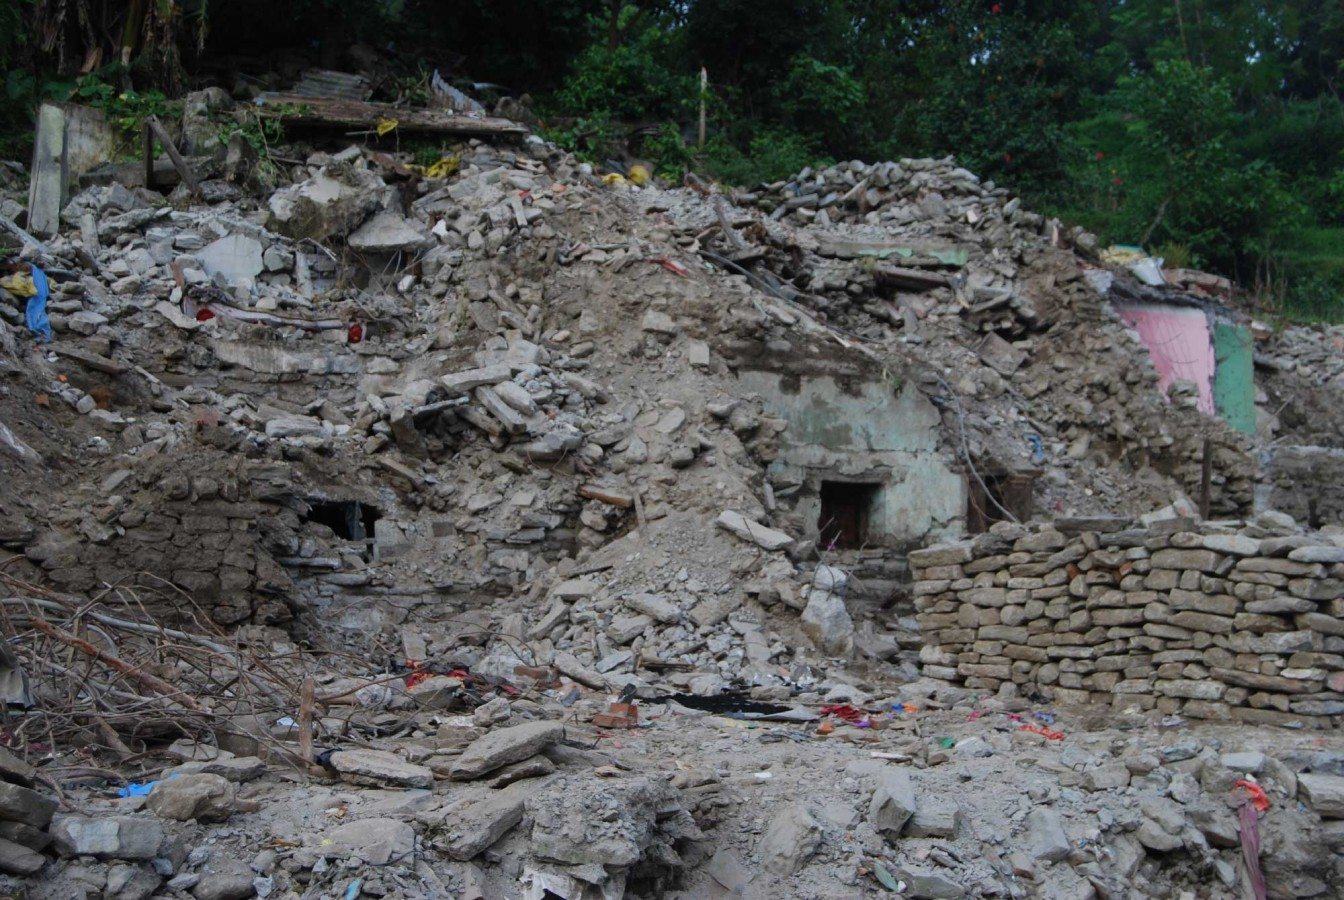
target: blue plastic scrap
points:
(36, 311)
(1037, 449)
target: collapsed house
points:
(541, 440)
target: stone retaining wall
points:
(1181, 617)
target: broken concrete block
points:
(378, 767)
(201, 797)
(826, 621)
(234, 257)
(749, 530)
(20, 804)
(504, 746)
(1323, 793)
(936, 817)
(108, 837)
(388, 232)
(470, 379)
(16, 859)
(658, 322)
(484, 822)
(893, 802)
(372, 842)
(1045, 835)
(790, 840)
(653, 605)
(330, 204)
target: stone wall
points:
(1181, 617)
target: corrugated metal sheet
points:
(326, 83)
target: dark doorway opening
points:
(349, 519)
(1001, 494)
(846, 508)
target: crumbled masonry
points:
(514, 534)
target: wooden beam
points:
(180, 164)
(336, 112)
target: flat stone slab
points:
(505, 746)
(749, 530)
(378, 767)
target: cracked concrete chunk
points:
(378, 767)
(761, 535)
(503, 746)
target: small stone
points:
(1045, 835)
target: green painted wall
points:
(1233, 378)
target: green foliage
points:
(772, 155)
(628, 81)
(126, 110)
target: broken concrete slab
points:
(378, 767)
(761, 535)
(370, 842)
(107, 837)
(476, 827)
(235, 258)
(791, 838)
(388, 232)
(504, 746)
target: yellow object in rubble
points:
(639, 174)
(444, 168)
(613, 178)
(385, 125)
(19, 284)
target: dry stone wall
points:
(1180, 617)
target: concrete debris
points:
(495, 530)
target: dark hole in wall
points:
(1001, 494)
(349, 519)
(845, 511)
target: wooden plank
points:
(910, 279)
(602, 495)
(92, 360)
(180, 164)
(336, 112)
(46, 190)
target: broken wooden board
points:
(91, 360)
(910, 279)
(908, 254)
(336, 112)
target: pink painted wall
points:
(1179, 344)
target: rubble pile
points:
(1204, 621)
(396, 531)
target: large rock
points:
(330, 204)
(378, 767)
(893, 802)
(387, 232)
(107, 837)
(475, 828)
(21, 804)
(1323, 793)
(503, 746)
(373, 842)
(205, 798)
(612, 824)
(790, 840)
(16, 859)
(750, 530)
(827, 623)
